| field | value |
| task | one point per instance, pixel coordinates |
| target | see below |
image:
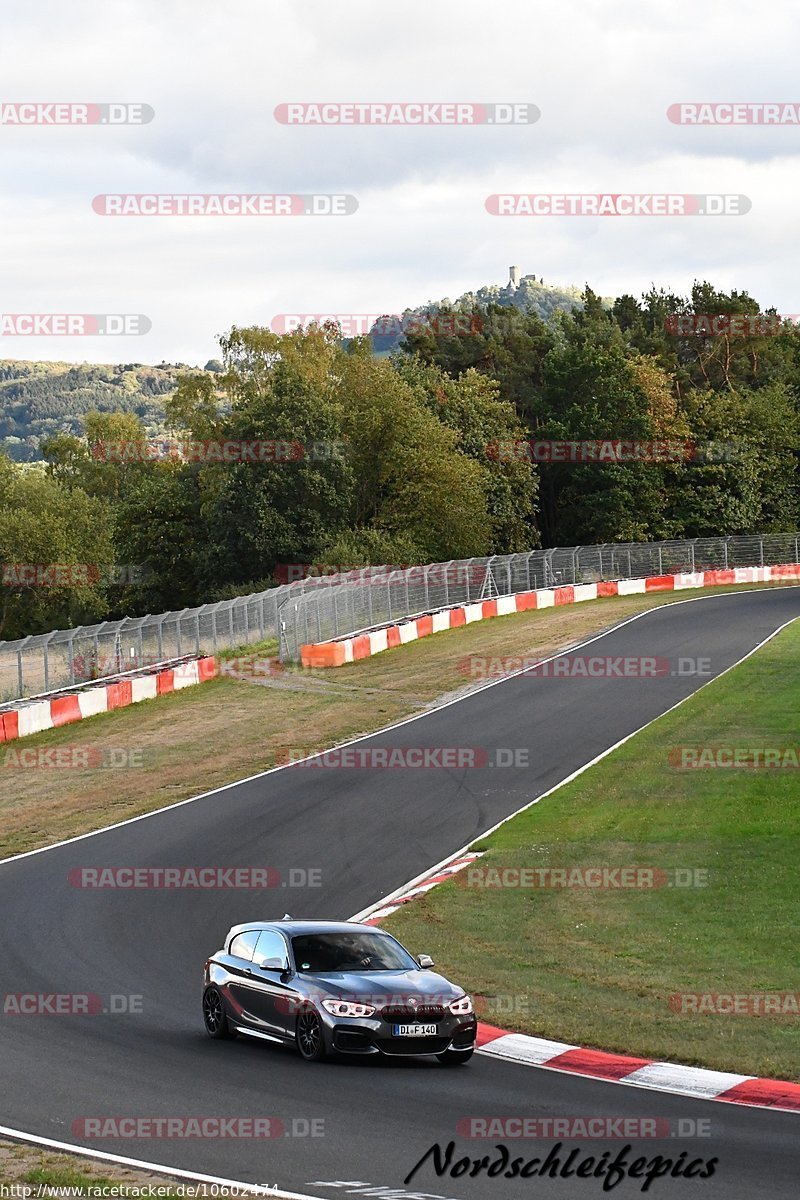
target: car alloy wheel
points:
(214, 1016)
(309, 1036)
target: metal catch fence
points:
(318, 608)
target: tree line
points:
(331, 454)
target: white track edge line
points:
(157, 1169)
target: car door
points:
(277, 1000)
(239, 964)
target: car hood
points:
(387, 987)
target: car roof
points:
(292, 927)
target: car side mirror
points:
(425, 961)
(274, 964)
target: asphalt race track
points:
(369, 831)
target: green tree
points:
(44, 528)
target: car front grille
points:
(408, 1012)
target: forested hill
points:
(529, 295)
(39, 399)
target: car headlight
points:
(462, 1007)
(346, 1008)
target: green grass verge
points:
(597, 967)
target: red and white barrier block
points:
(338, 652)
(26, 719)
(697, 1082)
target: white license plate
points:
(414, 1030)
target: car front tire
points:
(215, 1018)
(309, 1036)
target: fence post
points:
(427, 589)
(71, 660)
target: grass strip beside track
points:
(597, 966)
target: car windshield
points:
(329, 952)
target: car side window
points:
(270, 945)
(244, 944)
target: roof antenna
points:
(287, 917)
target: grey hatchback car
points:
(334, 987)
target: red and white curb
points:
(339, 651)
(40, 715)
(697, 1082)
(446, 872)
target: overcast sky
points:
(602, 72)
